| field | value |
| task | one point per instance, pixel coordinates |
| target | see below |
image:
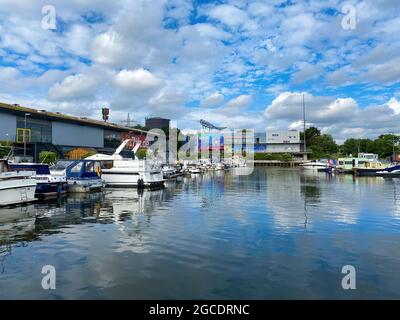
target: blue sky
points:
(234, 63)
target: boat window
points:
(77, 167)
(89, 166)
(107, 164)
(341, 163)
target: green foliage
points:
(47, 157)
(383, 145)
(273, 156)
(141, 153)
(320, 145)
(5, 147)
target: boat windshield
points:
(61, 165)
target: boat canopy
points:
(38, 168)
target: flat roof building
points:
(53, 131)
(157, 123)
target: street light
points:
(26, 115)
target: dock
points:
(276, 163)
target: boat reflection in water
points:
(278, 233)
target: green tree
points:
(311, 134)
(47, 157)
(5, 147)
(141, 153)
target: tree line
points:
(322, 145)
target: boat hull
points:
(137, 180)
(84, 185)
(49, 190)
(17, 192)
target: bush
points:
(47, 157)
(5, 147)
(273, 156)
(141, 153)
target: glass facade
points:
(40, 129)
(112, 139)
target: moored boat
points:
(81, 175)
(48, 185)
(15, 186)
(129, 172)
(313, 165)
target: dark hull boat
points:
(47, 186)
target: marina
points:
(203, 229)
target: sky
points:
(240, 64)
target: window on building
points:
(40, 129)
(112, 139)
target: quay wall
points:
(276, 163)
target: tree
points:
(311, 134)
(320, 145)
(47, 157)
(141, 153)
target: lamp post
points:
(26, 115)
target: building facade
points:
(283, 141)
(157, 123)
(53, 131)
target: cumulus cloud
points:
(164, 57)
(139, 79)
(212, 100)
(74, 87)
(342, 117)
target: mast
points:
(304, 124)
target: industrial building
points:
(157, 123)
(41, 130)
(283, 141)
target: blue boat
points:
(48, 186)
(393, 172)
(81, 175)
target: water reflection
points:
(278, 233)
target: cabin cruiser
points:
(16, 186)
(118, 171)
(393, 171)
(313, 165)
(48, 185)
(170, 172)
(81, 175)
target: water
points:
(277, 233)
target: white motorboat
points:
(194, 170)
(122, 172)
(81, 175)
(16, 186)
(313, 165)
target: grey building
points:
(283, 141)
(157, 123)
(60, 133)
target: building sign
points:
(136, 138)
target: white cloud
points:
(212, 100)
(394, 104)
(139, 79)
(74, 87)
(229, 15)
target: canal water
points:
(275, 234)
